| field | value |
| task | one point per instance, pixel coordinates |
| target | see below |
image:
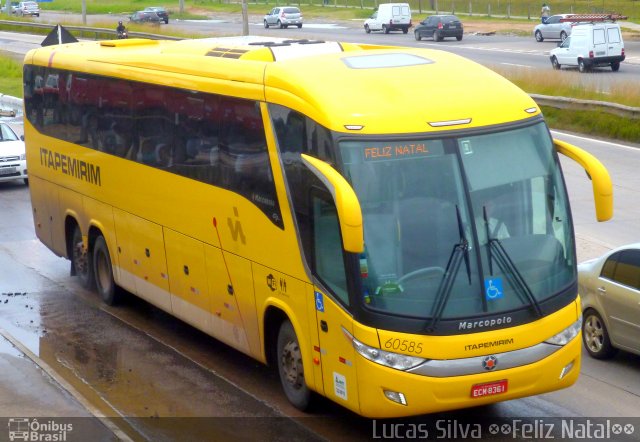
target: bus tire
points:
(290, 369)
(81, 265)
(103, 271)
(596, 337)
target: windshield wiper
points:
(460, 251)
(507, 266)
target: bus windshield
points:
(461, 227)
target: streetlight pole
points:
(245, 18)
(84, 12)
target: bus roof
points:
(371, 89)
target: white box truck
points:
(390, 17)
(598, 43)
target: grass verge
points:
(10, 77)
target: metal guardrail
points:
(542, 100)
(89, 30)
(619, 110)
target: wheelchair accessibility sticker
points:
(319, 302)
(493, 288)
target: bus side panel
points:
(338, 354)
(124, 270)
(271, 285)
(314, 338)
(42, 195)
(230, 284)
(146, 246)
(190, 299)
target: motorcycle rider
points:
(121, 30)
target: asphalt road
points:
(489, 50)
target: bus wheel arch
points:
(282, 351)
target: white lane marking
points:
(623, 146)
(518, 65)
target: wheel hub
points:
(292, 364)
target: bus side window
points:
(328, 259)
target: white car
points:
(609, 288)
(13, 160)
(553, 28)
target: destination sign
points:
(395, 151)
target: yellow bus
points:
(387, 226)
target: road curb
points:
(95, 412)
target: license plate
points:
(489, 389)
(7, 170)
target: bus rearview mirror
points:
(347, 204)
(600, 179)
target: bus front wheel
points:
(103, 271)
(81, 260)
(290, 368)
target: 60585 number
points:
(403, 345)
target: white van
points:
(590, 45)
(390, 17)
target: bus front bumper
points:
(422, 394)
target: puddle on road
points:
(126, 373)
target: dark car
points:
(145, 17)
(162, 13)
(438, 27)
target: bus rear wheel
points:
(290, 367)
(81, 260)
(103, 271)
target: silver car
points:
(553, 28)
(283, 17)
(610, 290)
(28, 8)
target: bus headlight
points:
(566, 335)
(382, 357)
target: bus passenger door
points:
(331, 302)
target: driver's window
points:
(566, 42)
(327, 247)
(374, 15)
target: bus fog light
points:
(565, 371)
(395, 397)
